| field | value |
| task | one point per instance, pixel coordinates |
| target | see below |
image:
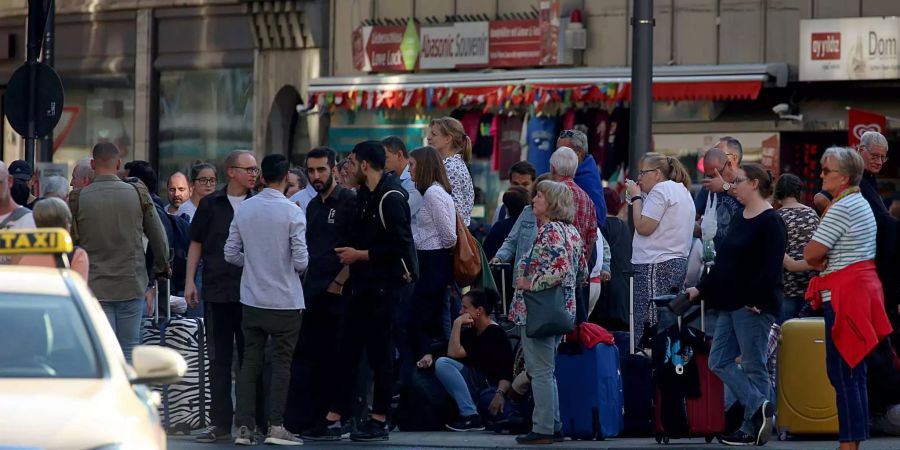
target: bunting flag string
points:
(537, 96)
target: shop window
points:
(203, 115)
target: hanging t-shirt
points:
(484, 144)
(599, 135)
(470, 122)
(508, 150)
(541, 142)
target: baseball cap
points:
(20, 170)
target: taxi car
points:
(64, 382)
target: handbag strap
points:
(531, 253)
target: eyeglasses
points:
(739, 180)
(249, 170)
(826, 171)
(567, 134)
(641, 173)
(206, 181)
(882, 158)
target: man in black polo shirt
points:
(381, 259)
(330, 217)
(221, 287)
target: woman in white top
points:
(448, 137)
(435, 237)
(663, 213)
(203, 183)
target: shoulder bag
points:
(546, 313)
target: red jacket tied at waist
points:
(860, 321)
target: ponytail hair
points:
(670, 167)
(460, 141)
(762, 175)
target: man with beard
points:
(329, 218)
(382, 259)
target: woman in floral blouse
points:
(554, 260)
(449, 138)
(801, 222)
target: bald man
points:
(718, 165)
(118, 273)
(82, 174)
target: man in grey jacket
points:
(271, 295)
(109, 219)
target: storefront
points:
(516, 114)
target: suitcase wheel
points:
(662, 439)
(782, 435)
(709, 439)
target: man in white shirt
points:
(268, 239)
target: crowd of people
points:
(339, 262)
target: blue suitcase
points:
(590, 392)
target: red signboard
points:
(858, 122)
(825, 46)
(383, 49)
(515, 43)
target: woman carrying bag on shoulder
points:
(544, 301)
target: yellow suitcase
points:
(806, 399)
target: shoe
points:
(279, 435)
(558, 437)
(327, 431)
(763, 421)
(534, 439)
(245, 437)
(734, 418)
(468, 423)
(739, 438)
(212, 434)
(369, 431)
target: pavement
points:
(486, 440)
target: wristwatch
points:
(726, 186)
(630, 200)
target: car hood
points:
(74, 414)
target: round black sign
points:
(48, 105)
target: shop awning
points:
(540, 86)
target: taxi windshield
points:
(44, 336)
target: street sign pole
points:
(33, 47)
(642, 23)
(46, 153)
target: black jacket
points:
(212, 221)
(887, 250)
(392, 254)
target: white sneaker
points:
(244, 437)
(279, 435)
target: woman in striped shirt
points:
(848, 288)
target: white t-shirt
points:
(26, 221)
(670, 204)
(236, 201)
(188, 208)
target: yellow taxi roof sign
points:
(35, 241)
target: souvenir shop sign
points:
(850, 49)
(460, 45)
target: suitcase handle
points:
(162, 302)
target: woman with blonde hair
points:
(448, 137)
(52, 212)
(663, 214)
(554, 262)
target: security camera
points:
(783, 111)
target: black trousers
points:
(224, 335)
(426, 321)
(316, 367)
(369, 327)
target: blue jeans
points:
(746, 334)
(541, 356)
(125, 319)
(790, 308)
(850, 387)
(449, 372)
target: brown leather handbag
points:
(466, 256)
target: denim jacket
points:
(521, 238)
